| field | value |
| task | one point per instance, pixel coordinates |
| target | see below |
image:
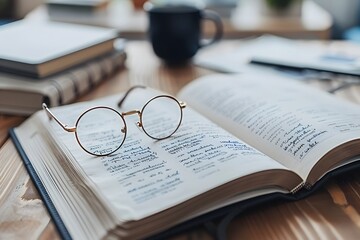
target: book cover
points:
(40, 49)
(24, 95)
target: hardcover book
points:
(90, 4)
(243, 139)
(22, 95)
(40, 49)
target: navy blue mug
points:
(175, 31)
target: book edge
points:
(227, 213)
(59, 224)
(117, 59)
(40, 71)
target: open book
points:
(242, 136)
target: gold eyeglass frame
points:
(181, 104)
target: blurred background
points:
(314, 19)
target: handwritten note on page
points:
(288, 121)
(145, 175)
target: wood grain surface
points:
(333, 212)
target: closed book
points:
(40, 49)
(78, 5)
(23, 95)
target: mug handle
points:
(215, 18)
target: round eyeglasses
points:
(102, 130)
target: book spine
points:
(81, 80)
(23, 96)
(298, 187)
(307, 185)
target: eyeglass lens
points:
(100, 131)
(161, 117)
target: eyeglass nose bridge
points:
(132, 112)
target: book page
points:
(146, 176)
(290, 122)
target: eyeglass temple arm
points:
(127, 93)
(182, 104)
(52, 116)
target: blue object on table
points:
(5, 21)
(353, 34)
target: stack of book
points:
(53, 63)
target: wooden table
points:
(331, 213)
(246, 20)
